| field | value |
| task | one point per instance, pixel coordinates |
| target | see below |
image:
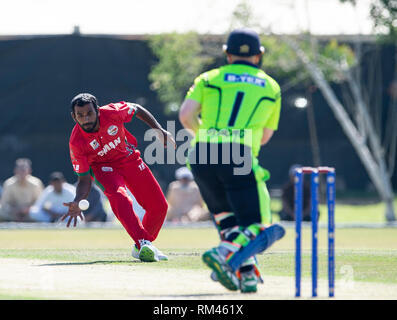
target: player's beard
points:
(89, 127)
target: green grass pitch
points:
(96, 264)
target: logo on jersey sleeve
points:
(94, 144)
(112, 130)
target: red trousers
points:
(134, 174)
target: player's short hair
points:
(82, 99)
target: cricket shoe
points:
(149, 253)
(213, 259)
(135, 252)
(213, 276)
(161, 256)
(248, 282)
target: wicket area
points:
(330, 194)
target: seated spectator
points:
(49, 207)
(96, 211)
(20, 192)
(287, 212)
(185, 203)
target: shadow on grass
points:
(88, 263)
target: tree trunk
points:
(375, 166)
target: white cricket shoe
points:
(135, 252)
(161, 256)
(149, 253)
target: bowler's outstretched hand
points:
(73, 213)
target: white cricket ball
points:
(84, 204)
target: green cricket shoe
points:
(213, 259)
(248, 282)
(148, 252)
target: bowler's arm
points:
(83, 188)
(144, 115)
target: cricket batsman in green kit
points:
(234, 110)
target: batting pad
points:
(263, 241)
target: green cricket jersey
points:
(237, 101)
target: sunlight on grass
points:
(346, 213)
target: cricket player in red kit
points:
(102, 149)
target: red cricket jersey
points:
(110, 145)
